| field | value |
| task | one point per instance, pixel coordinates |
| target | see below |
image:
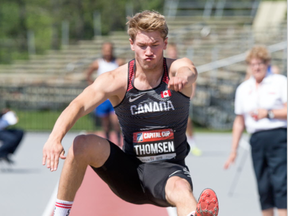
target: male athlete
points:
(150, 95)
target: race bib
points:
(154, 145)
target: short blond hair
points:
(147, 21)
(259, 52)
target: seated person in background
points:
(9, 138)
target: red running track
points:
(94, 197)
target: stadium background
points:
(45, 47)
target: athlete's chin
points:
(149, 66)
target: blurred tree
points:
(45, 18)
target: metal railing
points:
(237, 58)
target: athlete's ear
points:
(131, 44)
(165, 43)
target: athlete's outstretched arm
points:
(182, 75)
(104, 87)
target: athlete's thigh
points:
(120, 173)
(154, 176)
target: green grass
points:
(45, 120)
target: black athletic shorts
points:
(137, 182)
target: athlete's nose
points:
(149, 51)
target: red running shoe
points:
(207, 204)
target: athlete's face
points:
(258, 69)
(148, 48)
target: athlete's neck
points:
(145, 78)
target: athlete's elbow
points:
(75, 106)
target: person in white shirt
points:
(105, 111)
(261, 108)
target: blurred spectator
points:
(271, 69)
(261, 107)
(105, 111)
(9, 138)
(172, 52)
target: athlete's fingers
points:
(56, 162)
(52, 162)
(170, 84)
(48, 160)
(175, 87)
(171, 87)
(175, 84)
(44, 159)
(62, 155)
(180, 86)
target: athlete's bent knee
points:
(90, 149)
(176, 189)
(181, 184)
(80, 147)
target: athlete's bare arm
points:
(110, 85)
(93, 67)
(182, 75)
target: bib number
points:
(154, 145)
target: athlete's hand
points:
(230, 160)
(51, 153)
(177, 83)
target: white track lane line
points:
(50, 206)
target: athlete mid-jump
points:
(150, 95)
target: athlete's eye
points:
(142, 46)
